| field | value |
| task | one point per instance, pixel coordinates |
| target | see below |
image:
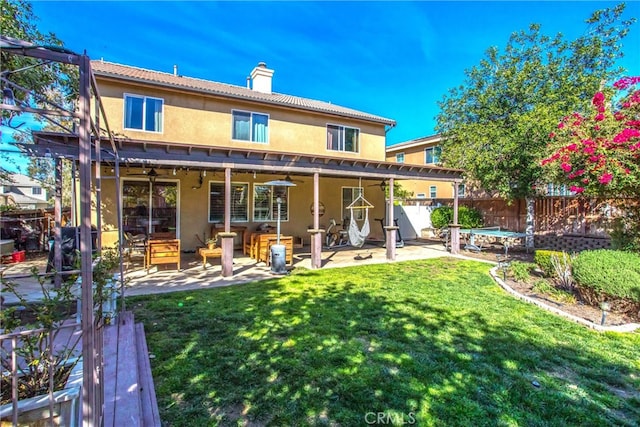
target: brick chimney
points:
(261, 77)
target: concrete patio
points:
(192, 275)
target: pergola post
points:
(390, 229)
(57, 228)
(89, 379)
(316, 232)
(227, 236)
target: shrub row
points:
(606, 274)
(467, 217)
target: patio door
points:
(150, 207)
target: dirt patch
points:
(578, 308)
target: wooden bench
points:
(268, 240)
(163, 251)
(209, 253)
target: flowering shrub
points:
(598, 153)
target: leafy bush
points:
(542, 258)
(625, 234)
(606, 273)
(467, 217)
(521, 271)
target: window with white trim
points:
(461, 190)
(36, 191)
(400, 158)
(433, 190)
(265, 202)
(248, 126)
(239, 202)
(343, 138)
(349, 194)
(432, 155)
(143, 113)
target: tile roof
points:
(125, 72)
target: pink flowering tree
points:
(597, 153)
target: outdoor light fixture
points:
(174, 171)
(152, 175)
(7, 96)
(278, 251)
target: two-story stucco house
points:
(23, 192)
(423, 151)
(194, 154)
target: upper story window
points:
(343, 138)
(248, 126)
(36, 191)
(432, 155)
(461, 190)
(143, 113)
(400, 158)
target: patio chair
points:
(135, 244)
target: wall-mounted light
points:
(204, 173)
(174, 171)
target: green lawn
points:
(435, 341)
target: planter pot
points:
(35, 411)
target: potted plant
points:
(211, 242)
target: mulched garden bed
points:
(577, 308)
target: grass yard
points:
(433, 342)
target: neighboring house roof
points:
(19, 180)
(134, 74)
(22, 199)
(423, 141)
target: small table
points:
(209, 253)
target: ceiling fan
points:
(290, 180)
(151, 174)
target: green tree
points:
(497, 124)
(45, 81)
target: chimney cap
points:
(262, 64)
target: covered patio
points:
(190, 164)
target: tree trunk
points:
(531, 203)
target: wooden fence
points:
(552, 215)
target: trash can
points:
(278, 259)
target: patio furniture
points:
(250, 245)
(240, 229)
(264, 247)
(209, 253)
(163, 251)
(135, 243)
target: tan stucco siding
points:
(204, 120)
(194, 206)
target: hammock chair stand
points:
(357, 235)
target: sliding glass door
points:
(150, 207)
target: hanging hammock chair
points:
(358, 235)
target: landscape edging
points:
(629, 327)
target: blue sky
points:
(394, 59)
